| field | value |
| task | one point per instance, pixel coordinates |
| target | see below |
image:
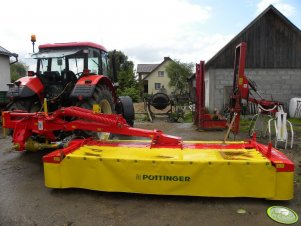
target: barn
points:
(273, 61)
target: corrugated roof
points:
(146, 68)
(6, 52)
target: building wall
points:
(143, 75)
(4, 72)
(154, 78)
(279, 84)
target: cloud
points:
(144, 30)
(287, 9)
(124, 25)
(188, 47)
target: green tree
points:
(178, 73)
(128, 85)
(17, 71)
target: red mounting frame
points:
(203, 120)
(278, 159)
(241, 88)
(40, 123)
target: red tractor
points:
(70, 74)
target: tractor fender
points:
(85, 86)
(26, 87)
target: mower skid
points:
(214, 169)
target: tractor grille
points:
(15, 91)
(83, 90)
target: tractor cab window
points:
(94, 64)
(51, 64)
(53, 60)
(50, 70)
(58, 64)
(105, 68)
(76, 64)
(43, 65)
(72, 61)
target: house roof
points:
(146, 68)
(269, 9)
(7, 53)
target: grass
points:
(188, 117)
(296, 124)
(244, 125)
(295, 121)
(144, 117)
(141, 118)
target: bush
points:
(145, 96)
(188, 117)
(131, 92)
(17, 71)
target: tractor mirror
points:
(59, 61)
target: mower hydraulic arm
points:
(26, 125)
(241, 88)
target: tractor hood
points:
(54, 53)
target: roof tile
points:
(146, 68)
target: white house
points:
(5, 67)
(153, 77)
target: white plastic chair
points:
(281, 122)
(259, 122)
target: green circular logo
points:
(282, 214)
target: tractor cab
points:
(59, 67)
(70, 61)
(65, 73)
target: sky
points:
(145, 30)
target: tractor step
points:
(215, 169)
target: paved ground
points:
(25, 201)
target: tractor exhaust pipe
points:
(114, 70)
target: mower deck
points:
(233, 169)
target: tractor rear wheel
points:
(26, 105)
(104, 98)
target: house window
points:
(157, 86)
(160, 73)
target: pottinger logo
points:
(149, 177)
